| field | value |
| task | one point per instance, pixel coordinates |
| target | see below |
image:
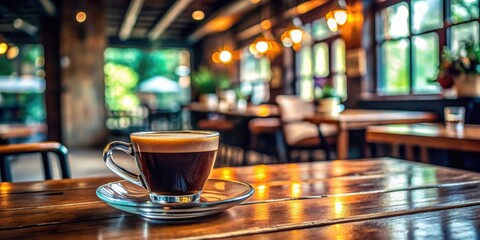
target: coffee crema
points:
(175, 142)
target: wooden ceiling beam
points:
(290, 13)
(223, 19)
(176, 9)
(49, 7)
(130, 19)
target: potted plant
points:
(206, 82)
(328, 100)
(461, 69)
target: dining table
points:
(425, 136)
(360, 119)
(374, 198)
(10, 131)
(241, 118)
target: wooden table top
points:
(361, 118)
(372, 198)
(252, 111)
(9, 131)
(433, 135)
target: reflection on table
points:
(360, 119)
(426, 136)
(372, 198)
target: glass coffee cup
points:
(174, 165)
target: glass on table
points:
(454, 117)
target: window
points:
(322, 63)
(135, 78)
(22, 84)
(255, 75)
(409, 38)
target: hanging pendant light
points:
(223, 56)
(294, 35)
(338, 16)
(264, 45)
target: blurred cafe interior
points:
(282, 81)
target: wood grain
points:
(292, 200)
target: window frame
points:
(444, 39)
(331, 73)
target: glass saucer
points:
(217, 196)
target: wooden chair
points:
(299, 134)
(27, 148)
(265, 137)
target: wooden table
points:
(426, 136)
(367, 199)
(360, 119)
(12, 131)
(243, 135)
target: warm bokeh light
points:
(266, 24)
(225, 56)
(12, 52)
(296, 35)
(260, 172)
(81, 17)
(296, 190)
(340, 16)
(216, 57)
(261, 46)
(198, 15)
(332, 24)
(3, 48)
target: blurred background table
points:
(355, 199)
(426, 136)
(238, 130)
(9, 132)
(360, 119)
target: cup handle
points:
(117, 169)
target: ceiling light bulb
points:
(3, 48)
(261, 46)
(81, 17)
(296, 35)
(287, 42)
(340, 16)
(198, 15)
(225, 56)
(332, 25)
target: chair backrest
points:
(293, 108)
(473, 112)
(42, 148)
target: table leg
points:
(342, 145)
(409, 153)
(424, 154)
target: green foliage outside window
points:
(126, 68)
(23, 106)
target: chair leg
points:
(63, 160)
(5, 169)
(47, 170)
(282, 152)
(324, 144)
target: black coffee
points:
(176, 173)
(175, 163)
